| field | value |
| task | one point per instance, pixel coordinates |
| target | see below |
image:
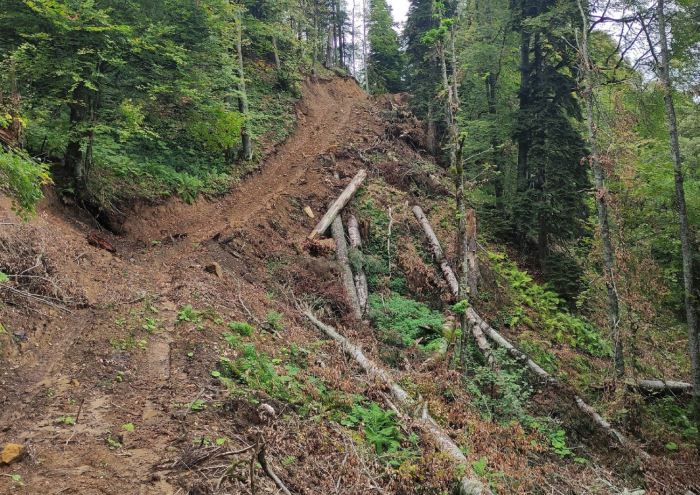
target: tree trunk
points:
(341, 255)
(661, 386)
(513, 351)
(468, 485)
(329, 47)
(454, 65)
(601, 205)
(524, 97)
(474, 320)
(686, 249)
(315, 70)
(77, 158)
(431, 133)
(360, 276)
(243, 98)
(473, 275)
(365, 13)
(437, 251)
(338, 204)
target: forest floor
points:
(95, 379)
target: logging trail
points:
(125, 344)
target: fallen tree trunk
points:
(338, 204)
(604, 425)
(590, 411)
(661, 386)
(360, 276)
(341, 254)
(468, 485)
(437, 251)
(450, 276)
(475, 321)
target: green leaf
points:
(3, 277)
(480, 466)
(129, 427)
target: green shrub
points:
(242, 328)
(381, 431)
(398, 317)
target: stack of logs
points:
(355, 284)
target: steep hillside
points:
(146, 370)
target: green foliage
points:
(480, 466)
(381, 430)
(386, 61)
(21, 178)
(256, 370)
(503, 395)
(539, 307)
(189, 314)
(242, 328)
(123, 344)
(558, 439)
(274, 320)
(405, 317)
(667, 412)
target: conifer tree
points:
(385, 61)
(551, 179)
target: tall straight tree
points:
(247, 146)
(386, 61)
(550, 178)
(664, 73)
(422, 72)
(600, 198)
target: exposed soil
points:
(110, 344)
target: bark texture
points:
(338, 204)
(437, 250)
(662, 386)
(360, 276)
(243, 98)
(473, 275)
(341, 254)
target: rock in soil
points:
(12, 453)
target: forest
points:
(297, 246)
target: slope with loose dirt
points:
(107, 359)
(117, 355)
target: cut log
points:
(661, 386)
(468, 485)
(341, 255)
(450, 276)
(483, 345)
(476, 321)
(437, 251)
(360, 276)
(338, 204)
(590, 411)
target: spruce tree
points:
(385, 61)
(551, 178)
